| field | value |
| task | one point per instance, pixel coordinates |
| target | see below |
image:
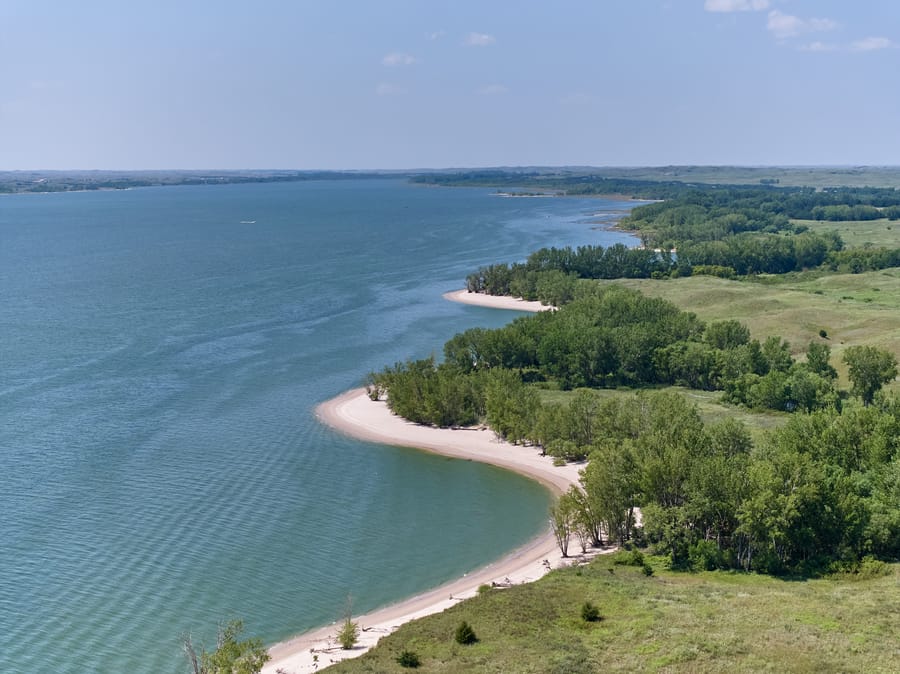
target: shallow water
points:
(161, 353)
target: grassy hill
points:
(668, 622)
(851, 308)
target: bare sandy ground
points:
(494, 301)
(355, 414)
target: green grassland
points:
(859, 233)
(668, 622)
(851, 308)
(794, 176)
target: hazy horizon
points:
(416, 169)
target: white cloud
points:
(435, 35)
(872, 43)
(821, 24)
(866, 44)
(388, 89)
(818, 46)
(783, 25)
(492, 90)
(479, 40)
(736, 5)
(398, 59)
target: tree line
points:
(801, 203)
(610, 336)
(549, 274)
(722, 230)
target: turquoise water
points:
(161, 353)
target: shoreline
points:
(355, 414)
(495, 301)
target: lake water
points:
(161, 354)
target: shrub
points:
(870, 567)
(590, 613)
(408, 659)
(628, 558)
(348, 635)
(647, 569)
(574, 661)
(865, 569)
(706, 556)
(465, 634)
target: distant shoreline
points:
(355, 414)
(55, 182)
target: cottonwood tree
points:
(869, 369)
(817, 357)
(562, 521)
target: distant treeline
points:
(804, 203)
(708, 499)
(714, 230)
(79, 181)
(711, 214)
(535, 182)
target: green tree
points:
(726, 334)
(870, 368)
(882, 535)
(232, 656)
(817, 360)
(562, 521)
(671, 440)
(511, 407)
(610, 487)
(586, 517)
(555, 288)
(777, 353)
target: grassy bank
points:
(850, 308)
(859, 233)
(672, 622)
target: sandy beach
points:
(355, 414)
(495, 301)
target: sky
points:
(401, 84)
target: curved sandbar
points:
(495, 301)
(356, 415)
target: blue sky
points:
(335, 84)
